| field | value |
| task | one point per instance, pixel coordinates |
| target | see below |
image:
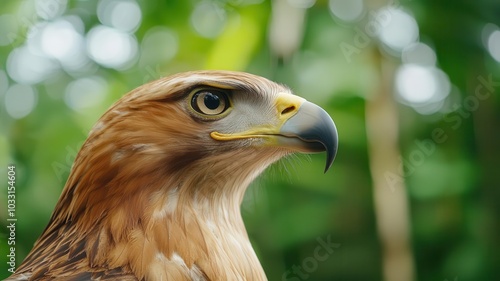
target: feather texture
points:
(152, 196)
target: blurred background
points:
(413, 87)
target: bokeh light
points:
(346, 10)
(494, 45)
(84, 93)
(60, 40)
(302, 4)
(416, 84)
(160, 44)
(24, 66)
(4, 82)
(124, 15)
(111, 48)
(419, 83)
(20, 100)
(8, 29)
(50, 9)
(208, 19)
(422, 87)
(400, 30)
(419, 53)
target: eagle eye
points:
(210, 102)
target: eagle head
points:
(155, 191)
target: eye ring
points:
(210, 102)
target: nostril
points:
(288, 109)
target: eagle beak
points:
(302, 126)
(310, 129)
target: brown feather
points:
(152, 197)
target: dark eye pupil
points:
(211, 101)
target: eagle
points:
(155, 190)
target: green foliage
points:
(452, 184)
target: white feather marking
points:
(178, 260)
(118, 155)
(191, 79)
(161, 257)
(119, 112)
(22, 276)
(211, 225)
(194, 272)
(170, 205)
(141, 146)
(97, 127)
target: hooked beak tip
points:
(316, 130)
